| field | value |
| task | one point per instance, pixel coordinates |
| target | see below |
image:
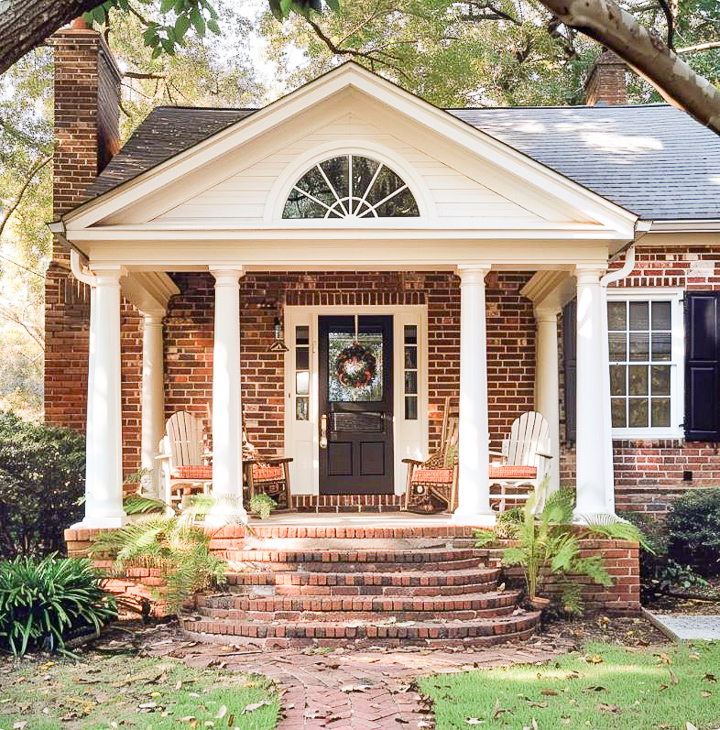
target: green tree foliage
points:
(42, 480)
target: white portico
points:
(469, 205)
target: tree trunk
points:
(645, 52)
(25, 24)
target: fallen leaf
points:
(593, 659)
(608, 708)
(474, 721)
(662, 688)
(498, 710)
(705, 693)
(221, 712)
(664, 658)
(20, 725)
(549, 693)
(355, 688)
(595, 688)
(710, 678)
(690, 726)
(673, 678)
(694, 657)
(187, 718)
(538, 704)
(254, 706)
(566, 720)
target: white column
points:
(594, 476)
(104, 506)
(227, 409)
(473, 487)
(153, 409)
(547, 385)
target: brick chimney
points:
(87, 108)
(606, 82)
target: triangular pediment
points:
(463, 178)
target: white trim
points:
(367, 148)
(677, 362)
(410, 438)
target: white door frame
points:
(302, 438)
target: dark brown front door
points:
(356, 398)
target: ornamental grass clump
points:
(46, 603)
(262, 505)
(171, 542)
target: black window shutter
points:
(570, 368)
(702, 366)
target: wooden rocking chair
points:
(524, 461)
(184, 458)
(266, 476)
(432, 484)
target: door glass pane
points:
(410, 334)
(617, 316)
(355, 367)
(302, 383)
(302, 335)
(411, 358)
(302, 358)
(638, 412)
(302, 409)
(411, 410)
(411, 381)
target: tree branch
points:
(13, 207)
(699, 47)
(32, 329)
(139, 75)
(670, 22)
(645, 52)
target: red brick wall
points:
(648, 474)
(189, 333)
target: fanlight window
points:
(350, 186)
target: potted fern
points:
(547, 547)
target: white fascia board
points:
(684, 226)
(350, 75)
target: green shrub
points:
(262, 505)
(659, 573)
(693, 530)
(45, 603)
(42, 481)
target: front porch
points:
(203, 343)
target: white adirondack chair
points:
(184, 458)
(523, 463)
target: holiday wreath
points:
(356, 366)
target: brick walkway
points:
(353, 689)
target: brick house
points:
(557, 259)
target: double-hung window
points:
(645, 345)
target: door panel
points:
(356, 395)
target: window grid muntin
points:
(670, 360)
(411, 371)
(351, 210)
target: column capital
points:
(108, 274)
(472, 273)
(153, 317)
(546, 314)
(589, 274)
(227, 276)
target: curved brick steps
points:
(478, 632)
(354, 561)
(409, 582)
(402, 608)
(399, 591)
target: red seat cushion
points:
(513, 472)
(192, 472)
(267, 473)
(433, 476)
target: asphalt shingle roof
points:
(653, 160)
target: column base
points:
(97, 523)
(226, 511)
(487, 519)
(589, 518)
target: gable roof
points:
(652, 160)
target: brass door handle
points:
(323, 432)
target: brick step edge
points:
(371, 604)
(365, 591)
(500, 628)
(411, 555)
(404, 579)
(344, 616)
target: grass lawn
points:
(120, 691)
(609, 687)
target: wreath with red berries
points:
(356, 366)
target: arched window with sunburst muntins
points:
(350, 186)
